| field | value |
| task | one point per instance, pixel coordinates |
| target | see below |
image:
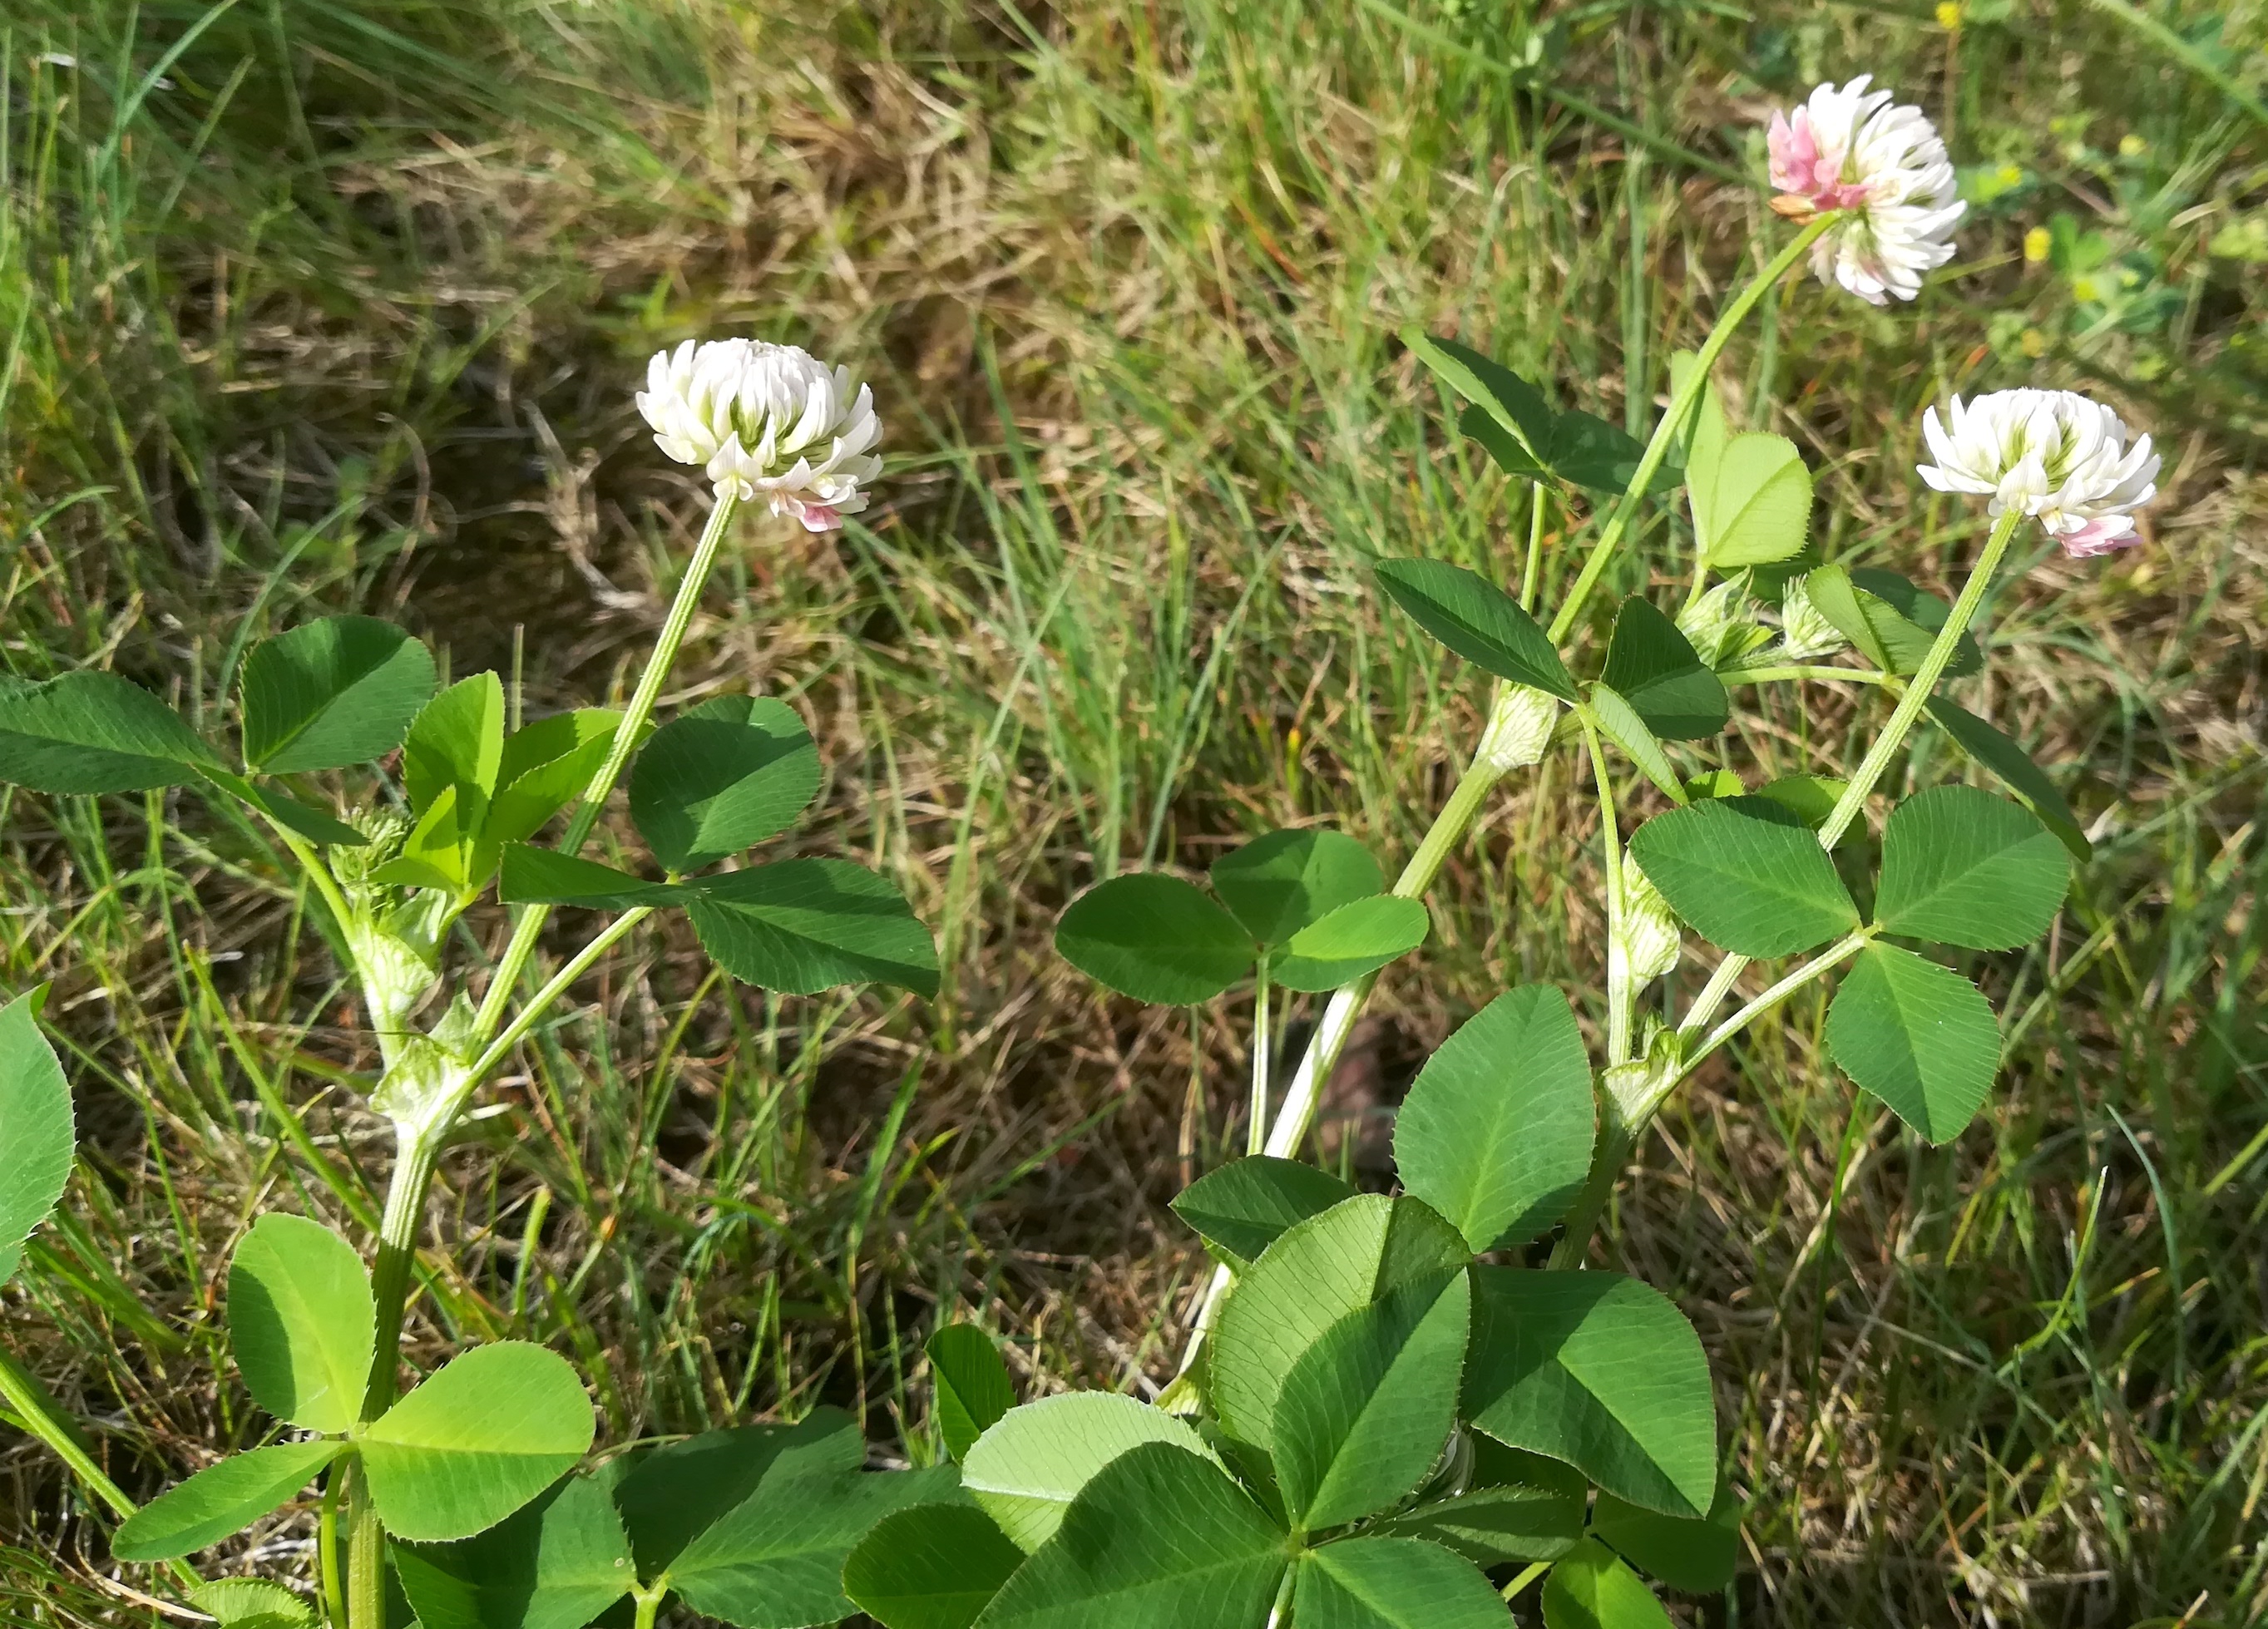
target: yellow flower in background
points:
(2132, 146)
(2035, 245)
(1949, 15)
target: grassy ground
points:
(339, 302)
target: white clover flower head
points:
(1883, 169)
(2063, 459)
(1711, 623)
(768, 421)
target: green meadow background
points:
(308, 305)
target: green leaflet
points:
(722, 777)
(1279, 884)
(1243, 1206)
(934, 1567)
(37, 1134)
(1393, 1583)
(972, 1386)
(1155, 938)
(1963, 867)
(556, 1563)
(332, 693)
(1496, 1133)
(492, 1428)
(1319, 1271)
(301, 1321)
(220, 1499)
(1747, 874)
(1356, 938)
(1031, 1464)
(1919, 1036)
(1478, 621)
(1366, 1410)
(90, 732)
(1114, 1564)
(1600, 1371)
(1591, 1589)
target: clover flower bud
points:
(1805, 633)
(1882, 169)
(1650, 940)
(1518, 728)
(770, 421)
(2063, 458)
(1714, 623)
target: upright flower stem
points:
(1872, 767)
(1672, 423)
(420, 1146)
(1620, 1133)
(1480, 777)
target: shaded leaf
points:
(1393, 1583)
(1510, 1522)
(37, 1133)
(1809, 798)
(1358, 938)
(556, 1564)
(338, 692)
(1319, 1271)
(1919, 1036)
(776, 1561)
(1747, 874)
(972, 1386)
(673, 1494)
(301, 1322)
(1277, 884)
(1478, 621)
(1155, 938)
(1028, 1467)
(1598, 1370)
(1366, 1410)
(1501, 396)
(934, 1567)
(1213, 1563)
(1243, 1206)
(728, 774)
(1698, 1557)
(1496, 1133)
(89, 732)
(542, 876)
(1653, 666)
(802, 926)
